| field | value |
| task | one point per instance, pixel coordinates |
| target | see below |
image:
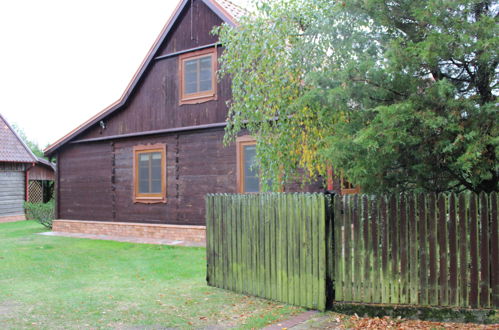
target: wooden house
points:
(20, 172)
(142, 166)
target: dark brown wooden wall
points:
(203, 20)
(97, 179)
(84, 191)
(155, 103)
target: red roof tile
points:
(12, 149)
(234, 8)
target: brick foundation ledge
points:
(187, 233)
(12, 218)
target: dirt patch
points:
(8, 308)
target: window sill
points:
(150, 200)
(198, 99)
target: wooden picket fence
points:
(311, 250)
(268, 245)
(426, 250)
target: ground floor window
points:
(248, 180)
(149, 162)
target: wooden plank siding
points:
(12, 192)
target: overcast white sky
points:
(62, 61)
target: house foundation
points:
(12, 218)
(187, 233)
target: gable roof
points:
(228, 11)
(12, 147)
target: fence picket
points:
(228, 247)
(384, 231)
(209, 248)
(423, 250)
(347, 241)
(357, 251)
(443, 251)
(321, 256)
(394, 250)
(367, 284)
(315, 238)
(404, 269)
(413, 251)
(463, 251)
(484, 252)
(302, 229)
(432, 245)
(338, 249)
(494, 251)
(473, 218)
(453, 252)
(375, 274)
(290, 245)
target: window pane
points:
(251, 182)
(205, 85)
(191, 76)
(143, 173)
(205, 63)
(205, 74)
(143, 187)
(156, 187)
(191, 66)
(156, 174)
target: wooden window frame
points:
(342, 191)
(241, 142)
(348, 191)
(199, 97)
(149, 198)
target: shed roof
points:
(12, 147)
(227, 10)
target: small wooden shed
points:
(18, 168)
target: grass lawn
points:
(57, 282)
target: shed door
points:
(11, 193)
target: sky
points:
(62, 61)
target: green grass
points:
(58, 283)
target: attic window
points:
(197, 74)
